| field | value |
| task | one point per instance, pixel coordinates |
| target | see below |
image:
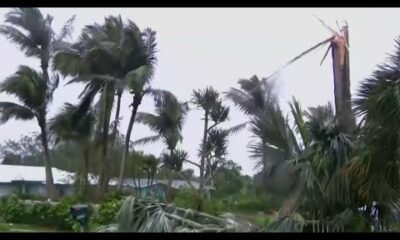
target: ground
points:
(7, 227)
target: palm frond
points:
(10, 110)
(235, 129)
(146, 140)
(25, 43)
(67, 29)
(316, 46)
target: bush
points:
(55, 215)
(108, 208)
(264, 222)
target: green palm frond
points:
(146, 140)
(25, 43)
(235, 129)
(10, 110)
(138, 215)
(27, 85)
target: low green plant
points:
(108, 208)
(264, 222)
(40, 213)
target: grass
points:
(9, 227)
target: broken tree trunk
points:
(341, 78)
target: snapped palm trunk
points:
(341, 77)
(136, 103)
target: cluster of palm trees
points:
(110, 59)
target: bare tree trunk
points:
(341, 77)
(202, 160)
(136, 102)
(44, 64)
(169, 186)
(47, 161)
(108, 103)
(86, 157)
(116, 119)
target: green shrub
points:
(187, 198)
(108, 208)
(214, 207)
(55, 215)
(264, 222)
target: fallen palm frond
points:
(147, 215)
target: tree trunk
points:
(86, 157)
(341, 77)
(169, 186)
(44, 64)
(107, 107)
(116, 119)
(47, 160)
(202, 160)
(136, 102)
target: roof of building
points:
(10, 173)
(177, 184)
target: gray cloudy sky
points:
(217, 47)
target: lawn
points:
(9, 227)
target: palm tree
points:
(375, 166)
(167, 123)
(138, 83)
(216, 150)
(76, 124)
(257, 99)
(208, 101)
(32, 32)
(107, 58)
(34, 94)
(323, 192)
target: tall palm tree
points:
(107, 58)
(138, 82)
(76, 124)
(167, 123)
(34, 94)
(33, 33)
(208, 101)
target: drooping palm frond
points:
(66, 30)
(301, 55)
(138, 215)
(28, 86)
(25, 43)
(255, 94)
(146, 140)
(235, 129)
(10, 110)
(300, 127)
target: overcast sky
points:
(217, 47)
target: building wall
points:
(7, 189)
